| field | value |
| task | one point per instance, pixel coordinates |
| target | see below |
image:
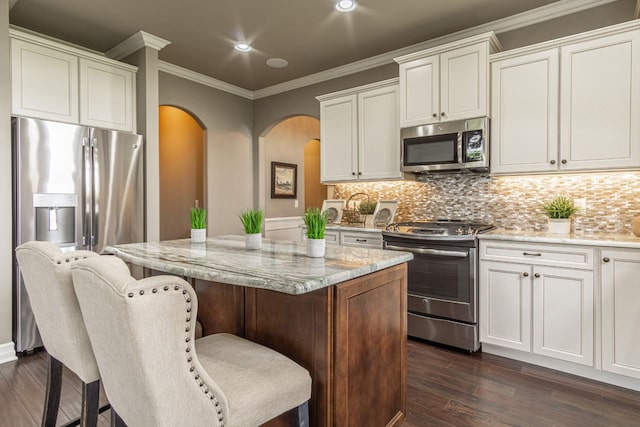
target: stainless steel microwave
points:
(456, 145)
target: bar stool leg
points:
(52, 398)
(301, 418)
(90, 402)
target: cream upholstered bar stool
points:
(156, 374)
(47, 279)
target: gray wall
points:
(227, 121)
(6, 224)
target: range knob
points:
(470, 230)
(459, 230)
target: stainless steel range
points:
(442, 278)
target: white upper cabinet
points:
(600, 103)
(449, 82)
(570, 104)
(106, 96)
(44, 82)
(56, 82)
(524, 111)
(360, 134)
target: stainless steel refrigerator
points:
(75, 186)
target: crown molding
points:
(355, 90)
(136, 42)
(184, 73)
(524, 19)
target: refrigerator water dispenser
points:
(55, 217)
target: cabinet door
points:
(464, 78)
(563, 314)
(620, 313)
(600, 103)
(44, 82)
(505, 304)
(420, 91)
(106, 96)
(339, 139)
(379, 134)
(524, 113)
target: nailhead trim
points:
(187, 339)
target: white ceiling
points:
(309, 34)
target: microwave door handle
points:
(436, 252)
(459, 147)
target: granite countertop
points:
(585, 239)
(281, 266)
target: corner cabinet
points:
(360, 134)
(77, 87)
(449, 82)
(538, 298)
(620, 275)
(568, 105)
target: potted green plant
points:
(198, 224)
(316, 221)
(559, 211)
(367, 208)
(252, 222)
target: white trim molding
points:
(136, 42)
(187, 74)
(7, 352)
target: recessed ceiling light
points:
(243, 46)
(345, 5)
(277, 62)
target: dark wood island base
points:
(351, 336)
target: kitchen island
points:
(342, 317)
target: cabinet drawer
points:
(537, 254)
(361, 239)
(330, 237)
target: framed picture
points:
(284, 180)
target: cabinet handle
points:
(525, 274)
(361, 240)
(553, 162)
(564, 161)
(536, 275)
(531, 254)
(606, 259)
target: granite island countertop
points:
(280, 265)
(584, 239)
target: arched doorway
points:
(286, 142)
(182, 166)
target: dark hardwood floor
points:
(445, 388)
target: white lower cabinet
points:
(529, 304)
(362, 239)
(620, 281)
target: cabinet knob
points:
(525, 274)
(353, 173)
(536, 275)
(359, 173)
(553, 162)
(443, 114)
(606, 259)
(564, 161)
(435, 115)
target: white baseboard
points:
(7, 352)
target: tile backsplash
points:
(513, 202)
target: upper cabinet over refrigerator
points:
(448, 82)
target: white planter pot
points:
(315, 248)
(560, 225)
(253, 241)
(198, 235)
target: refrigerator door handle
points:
(86, 193)
(95, 192)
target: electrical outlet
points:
(581, 204)
(295, 203)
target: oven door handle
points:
(436, 252)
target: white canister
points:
(560, 225)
